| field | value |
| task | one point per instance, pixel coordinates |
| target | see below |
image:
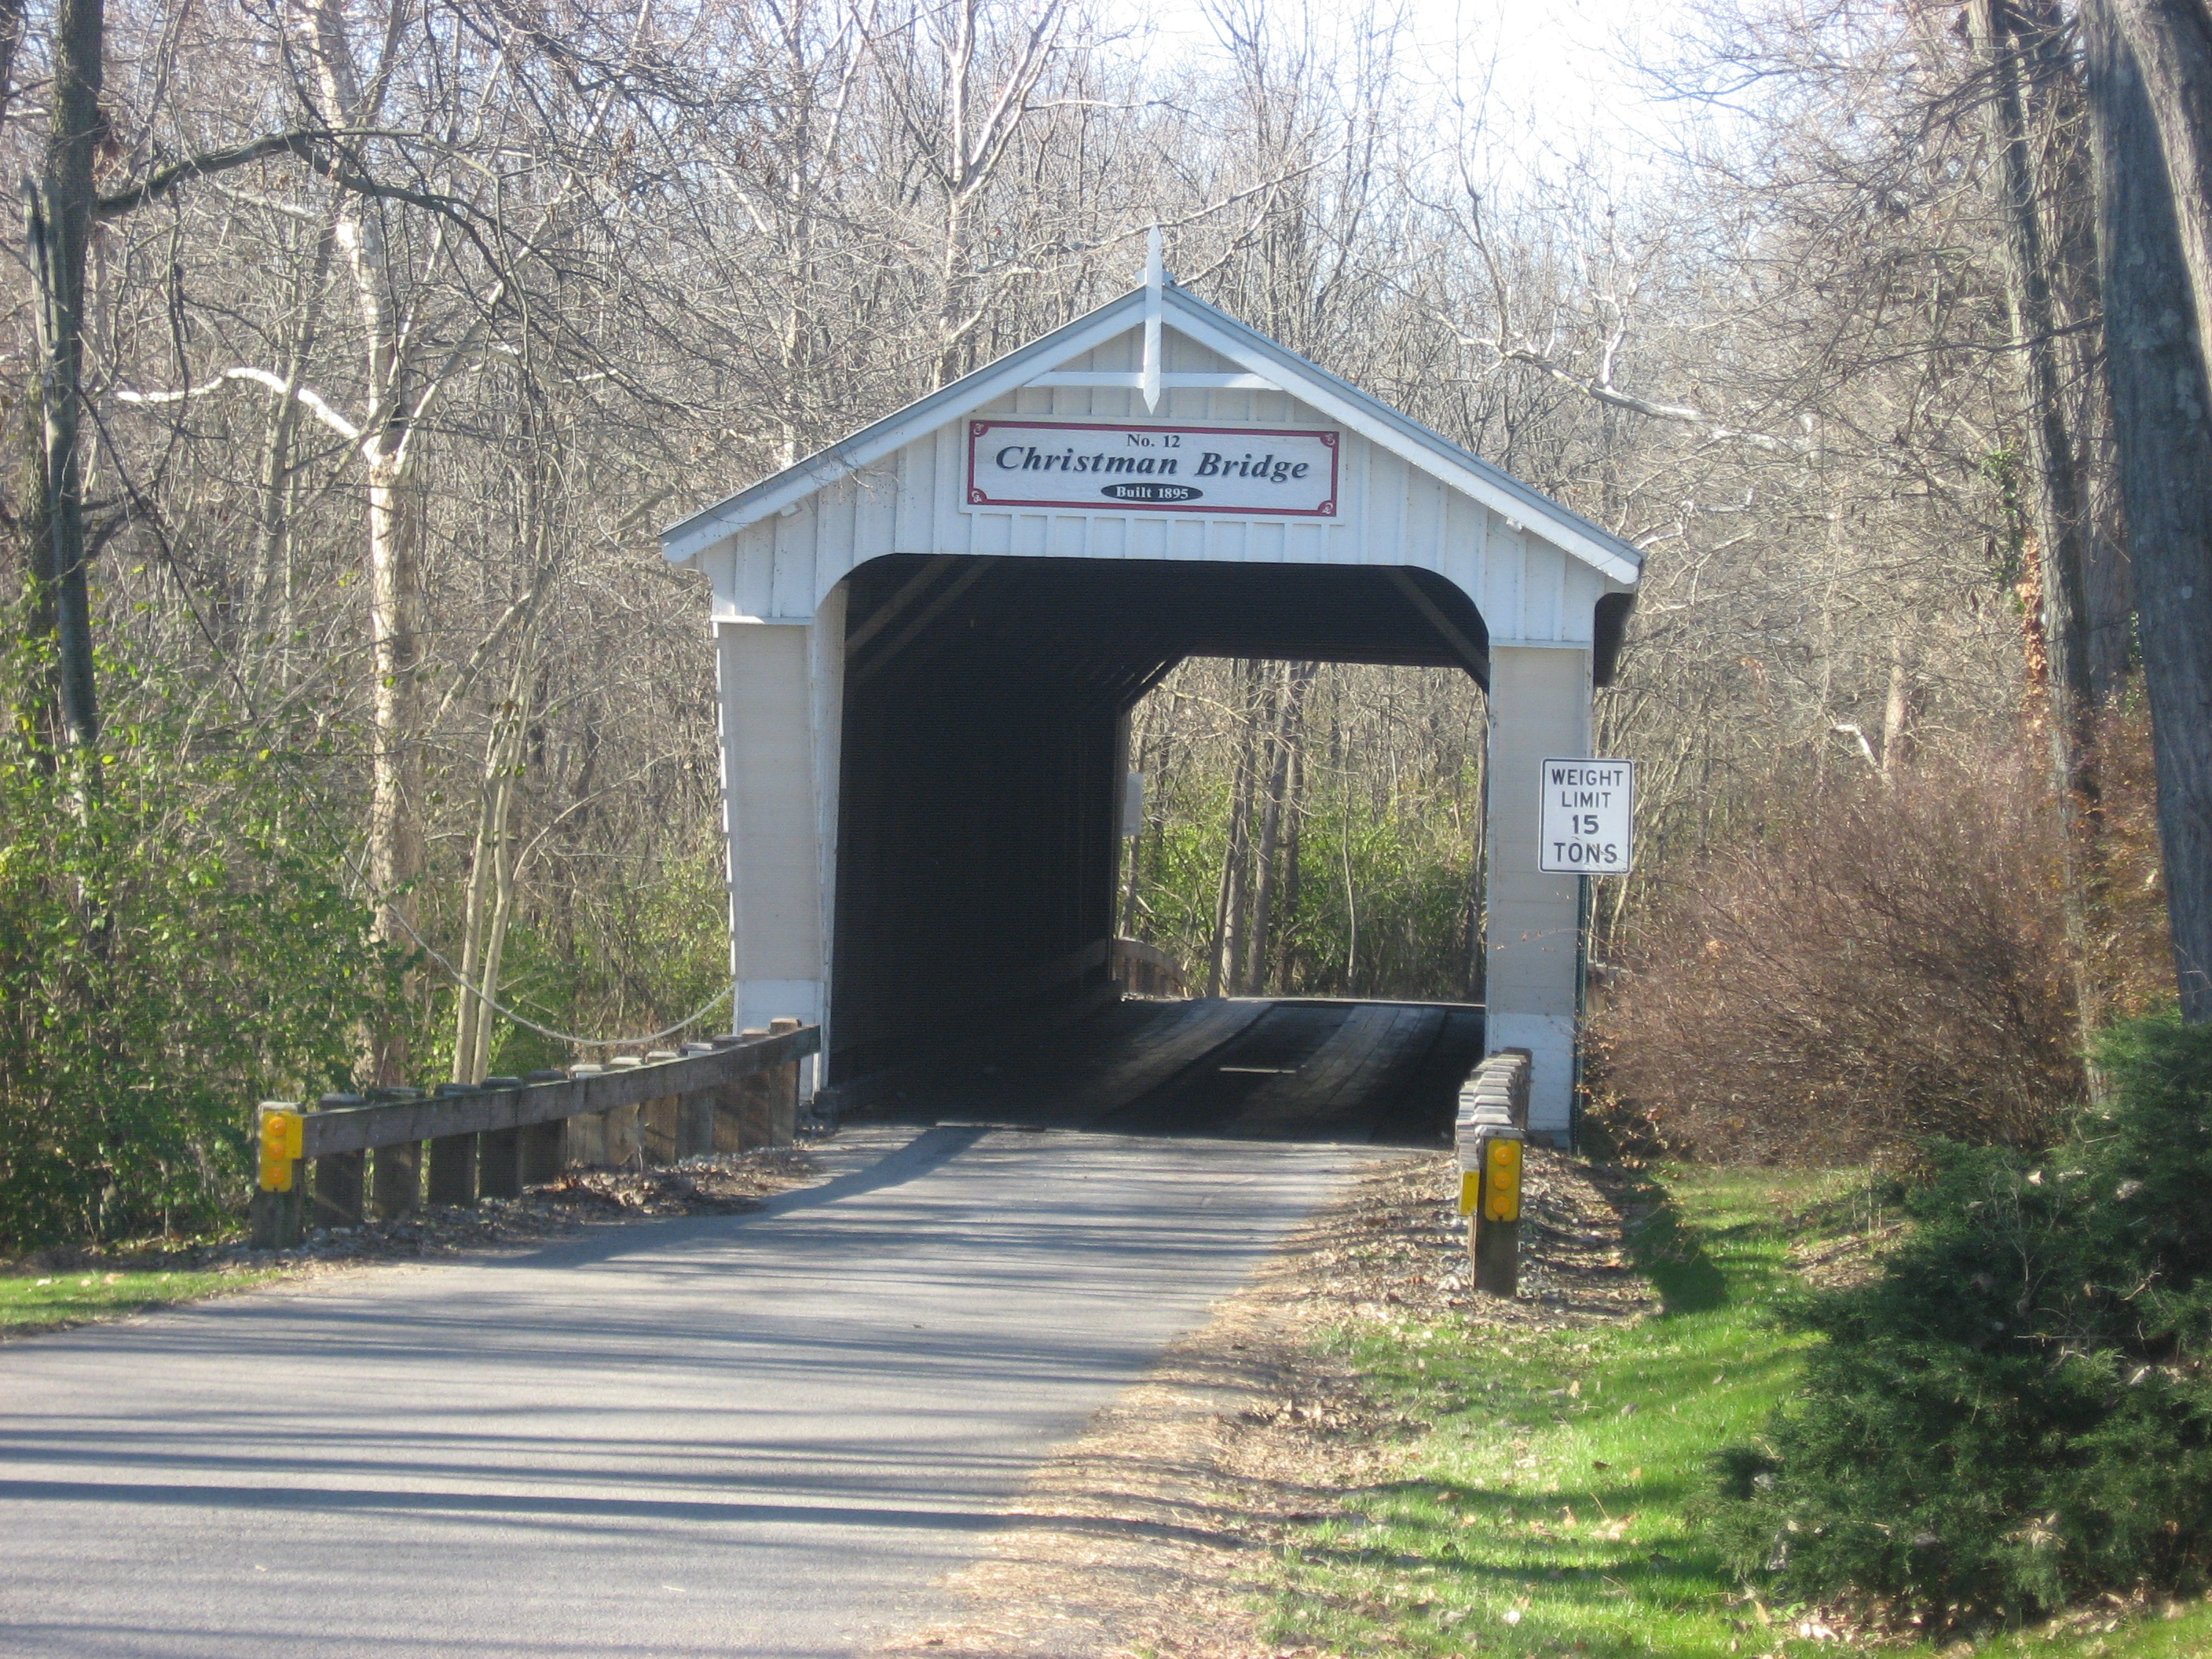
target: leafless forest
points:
(407, 323)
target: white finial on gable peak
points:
(1155, 280)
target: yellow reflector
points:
(1501, 1196)
(1470, 1184)
(284, 1139)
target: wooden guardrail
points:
(493, 1138)
(1492, 1128)
(1145, 971)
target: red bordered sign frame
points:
(978, 430)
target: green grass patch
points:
(32, 1300)
(2185, 1633)
(1549, 1508)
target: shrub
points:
(175, 943)
(1857, 972)
(2017, 1413)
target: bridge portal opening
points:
(982, 755)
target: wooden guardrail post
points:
(754, 1124)
(728, 1134)
(499, 1153)
(586, 1140)
(1493, 1229)
(276, 1214)
(1145, 969)
(695, 1113)
(397, 1178)
(783, 1092)
(1493, 1113)
(453, 1157)
(340, 1179)
(543, 1144)
(663, 1129)
(625, 1133)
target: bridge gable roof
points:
(1264, 361)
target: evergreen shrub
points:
(2016, 1413)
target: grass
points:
(33, 1301)
(1550, 1507)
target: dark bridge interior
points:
(977, 839)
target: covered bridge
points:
(929, 637)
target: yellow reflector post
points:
(284, 1139)
(1501, 1194)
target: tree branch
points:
(302, 142)
(204, 164)
(313, 399)
(1601, 388)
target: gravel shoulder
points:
(67, 1287)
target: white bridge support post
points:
(781, 687)
(1540, 709)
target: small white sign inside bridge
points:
(1587, 826)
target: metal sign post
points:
(1587, 826)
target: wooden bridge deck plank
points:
(1343, 1081)
(1164, 1051)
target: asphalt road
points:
(764, 1434)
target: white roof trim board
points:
(1456, 468)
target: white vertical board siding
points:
(1499, 597)
(1463, 536)
(1581, 588)
(1539, 708)
(1390, 514)
(771, 801)
(1543, 569)
(917, 497)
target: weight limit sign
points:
(1588, 824)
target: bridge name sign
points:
(1246, 470)
(1588, 824)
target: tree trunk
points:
(1154, 828)
(2010, 51)
(1897, 708)
(2063, 173)
(1294, 815)
(2158, 371)
(1228, 918)
(395, 839)
(274, 581)
(505, 870)
(11, 42)
(472, 1015)
(60, 227)
(1290, 696)
(2172, 41)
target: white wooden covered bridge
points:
(929, 637)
